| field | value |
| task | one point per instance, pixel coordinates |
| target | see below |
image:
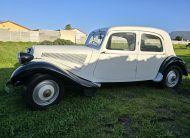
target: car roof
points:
(132, 28)
(165, 36)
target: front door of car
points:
(150, 56)
(117, 63)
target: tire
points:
(43, 91)
(172, 77)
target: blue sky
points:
(87, 15)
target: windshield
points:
(95, 39)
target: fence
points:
(49, 35)
(16, 36)
(39, 36)
(180, 42)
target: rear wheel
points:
(172, 77)
(43, 91)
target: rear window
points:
(151, 43)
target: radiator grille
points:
(74, 58)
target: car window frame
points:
(151, 52)
(94, 46)
(121, 50)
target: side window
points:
(122, 41)
(151, 43)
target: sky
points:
(170, 15)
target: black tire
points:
(176, 70)
(89, 92)
(33, 86)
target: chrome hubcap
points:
(172, 78)
(46, 92)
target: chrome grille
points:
(74, 58)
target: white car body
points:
(116, 54)
(105, 65)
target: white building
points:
(74, 35)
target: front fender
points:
(21, 75)
(173, 60)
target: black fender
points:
(173, 60)
(21, 75)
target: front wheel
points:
(43, 91)
(172, 77)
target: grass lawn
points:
(133, 110)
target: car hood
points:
(71, 56)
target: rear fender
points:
(173, 60)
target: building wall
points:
(12, 26)
(80, 36)
(68, 35)
(73, 35)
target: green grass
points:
(183, 52)
(133, 110)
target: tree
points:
(178, 38)
(68, 27)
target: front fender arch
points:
(23, 73)
(173, 60)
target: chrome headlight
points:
(29, 50)
(24, 58)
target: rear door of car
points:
(150, 56)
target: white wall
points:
(41, 35)
(180, 42)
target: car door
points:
(150, 56)
(118, 62)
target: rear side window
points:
(151, 43)
(122, 41)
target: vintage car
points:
(115, 54)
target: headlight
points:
(24, 57)
(28, 50)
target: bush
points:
(178, 38)
(57, 42)
(62, 42)
(68, 27)
(46, 42)
(188, 45)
